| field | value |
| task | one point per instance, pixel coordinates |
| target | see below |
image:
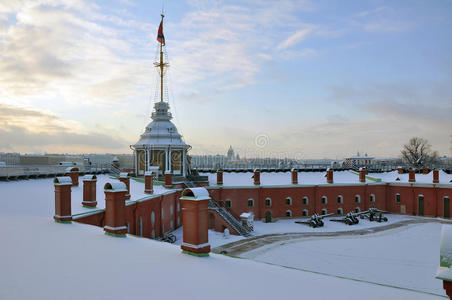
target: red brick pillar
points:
(435, 176)
(89, 191)
(73, 173)
(411, 176)
(329, 176)
(257, 177)
(115, 200)
(425, 171)
(400, 170)
(148, 182)
(294, 173)
(125, 178)
(447, 285)
(362, 175)
(168, 179)
(63, 213)
(194, 203)
(219, 177)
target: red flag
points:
(160, 36)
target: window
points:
(372, 198)
(305, 200)
(340, 199)
(171, 225)
(128, 227)
(288, 213)
(357, 198)
(268, 202)
(324, 200)
(178, 206)
(152, 218)
(288, 201)
(357, 210)
(250, 202)
(397, 198)
(228, 203)
(163, 214)
(324, 211)
(340, 211)
(140, 226)
(304, 213)
(178, 220)
(171, 210)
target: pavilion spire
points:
(161, 64)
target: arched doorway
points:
(420, 210)
(211, 221)
(268, 216)
(446, 207)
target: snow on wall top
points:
(340, 177)
(198, 193)
(115, 186)
(63, 180)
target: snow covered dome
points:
(161, 131)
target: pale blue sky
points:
(315, 78)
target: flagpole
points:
(161, 66)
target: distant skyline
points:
(302, 79)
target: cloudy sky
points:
(301, 78)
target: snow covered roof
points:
(198, 193)
(161, 131)
(72, 169)
(63, 180)
(89, 177)
(115, 187)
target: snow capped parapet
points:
(257, 177)
(115, 200)
(125, 178)
(445, 268)
(115, 187)
(194, 202)
(63, 180)
(148, 182)
(73, 173)
(219, 177)
(89, 191)
(196, 194)
(329, 176)
(63, 210)
(294, 175)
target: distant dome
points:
(161, 131)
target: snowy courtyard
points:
(37, 254)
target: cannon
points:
(315, 220)
(374, 214)
(350, 218)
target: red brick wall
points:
(384, 199)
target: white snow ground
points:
(405, 257)
(41, 259)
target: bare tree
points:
(418, 153)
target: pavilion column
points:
(166, 159)
(184, 171)
(170, 158)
